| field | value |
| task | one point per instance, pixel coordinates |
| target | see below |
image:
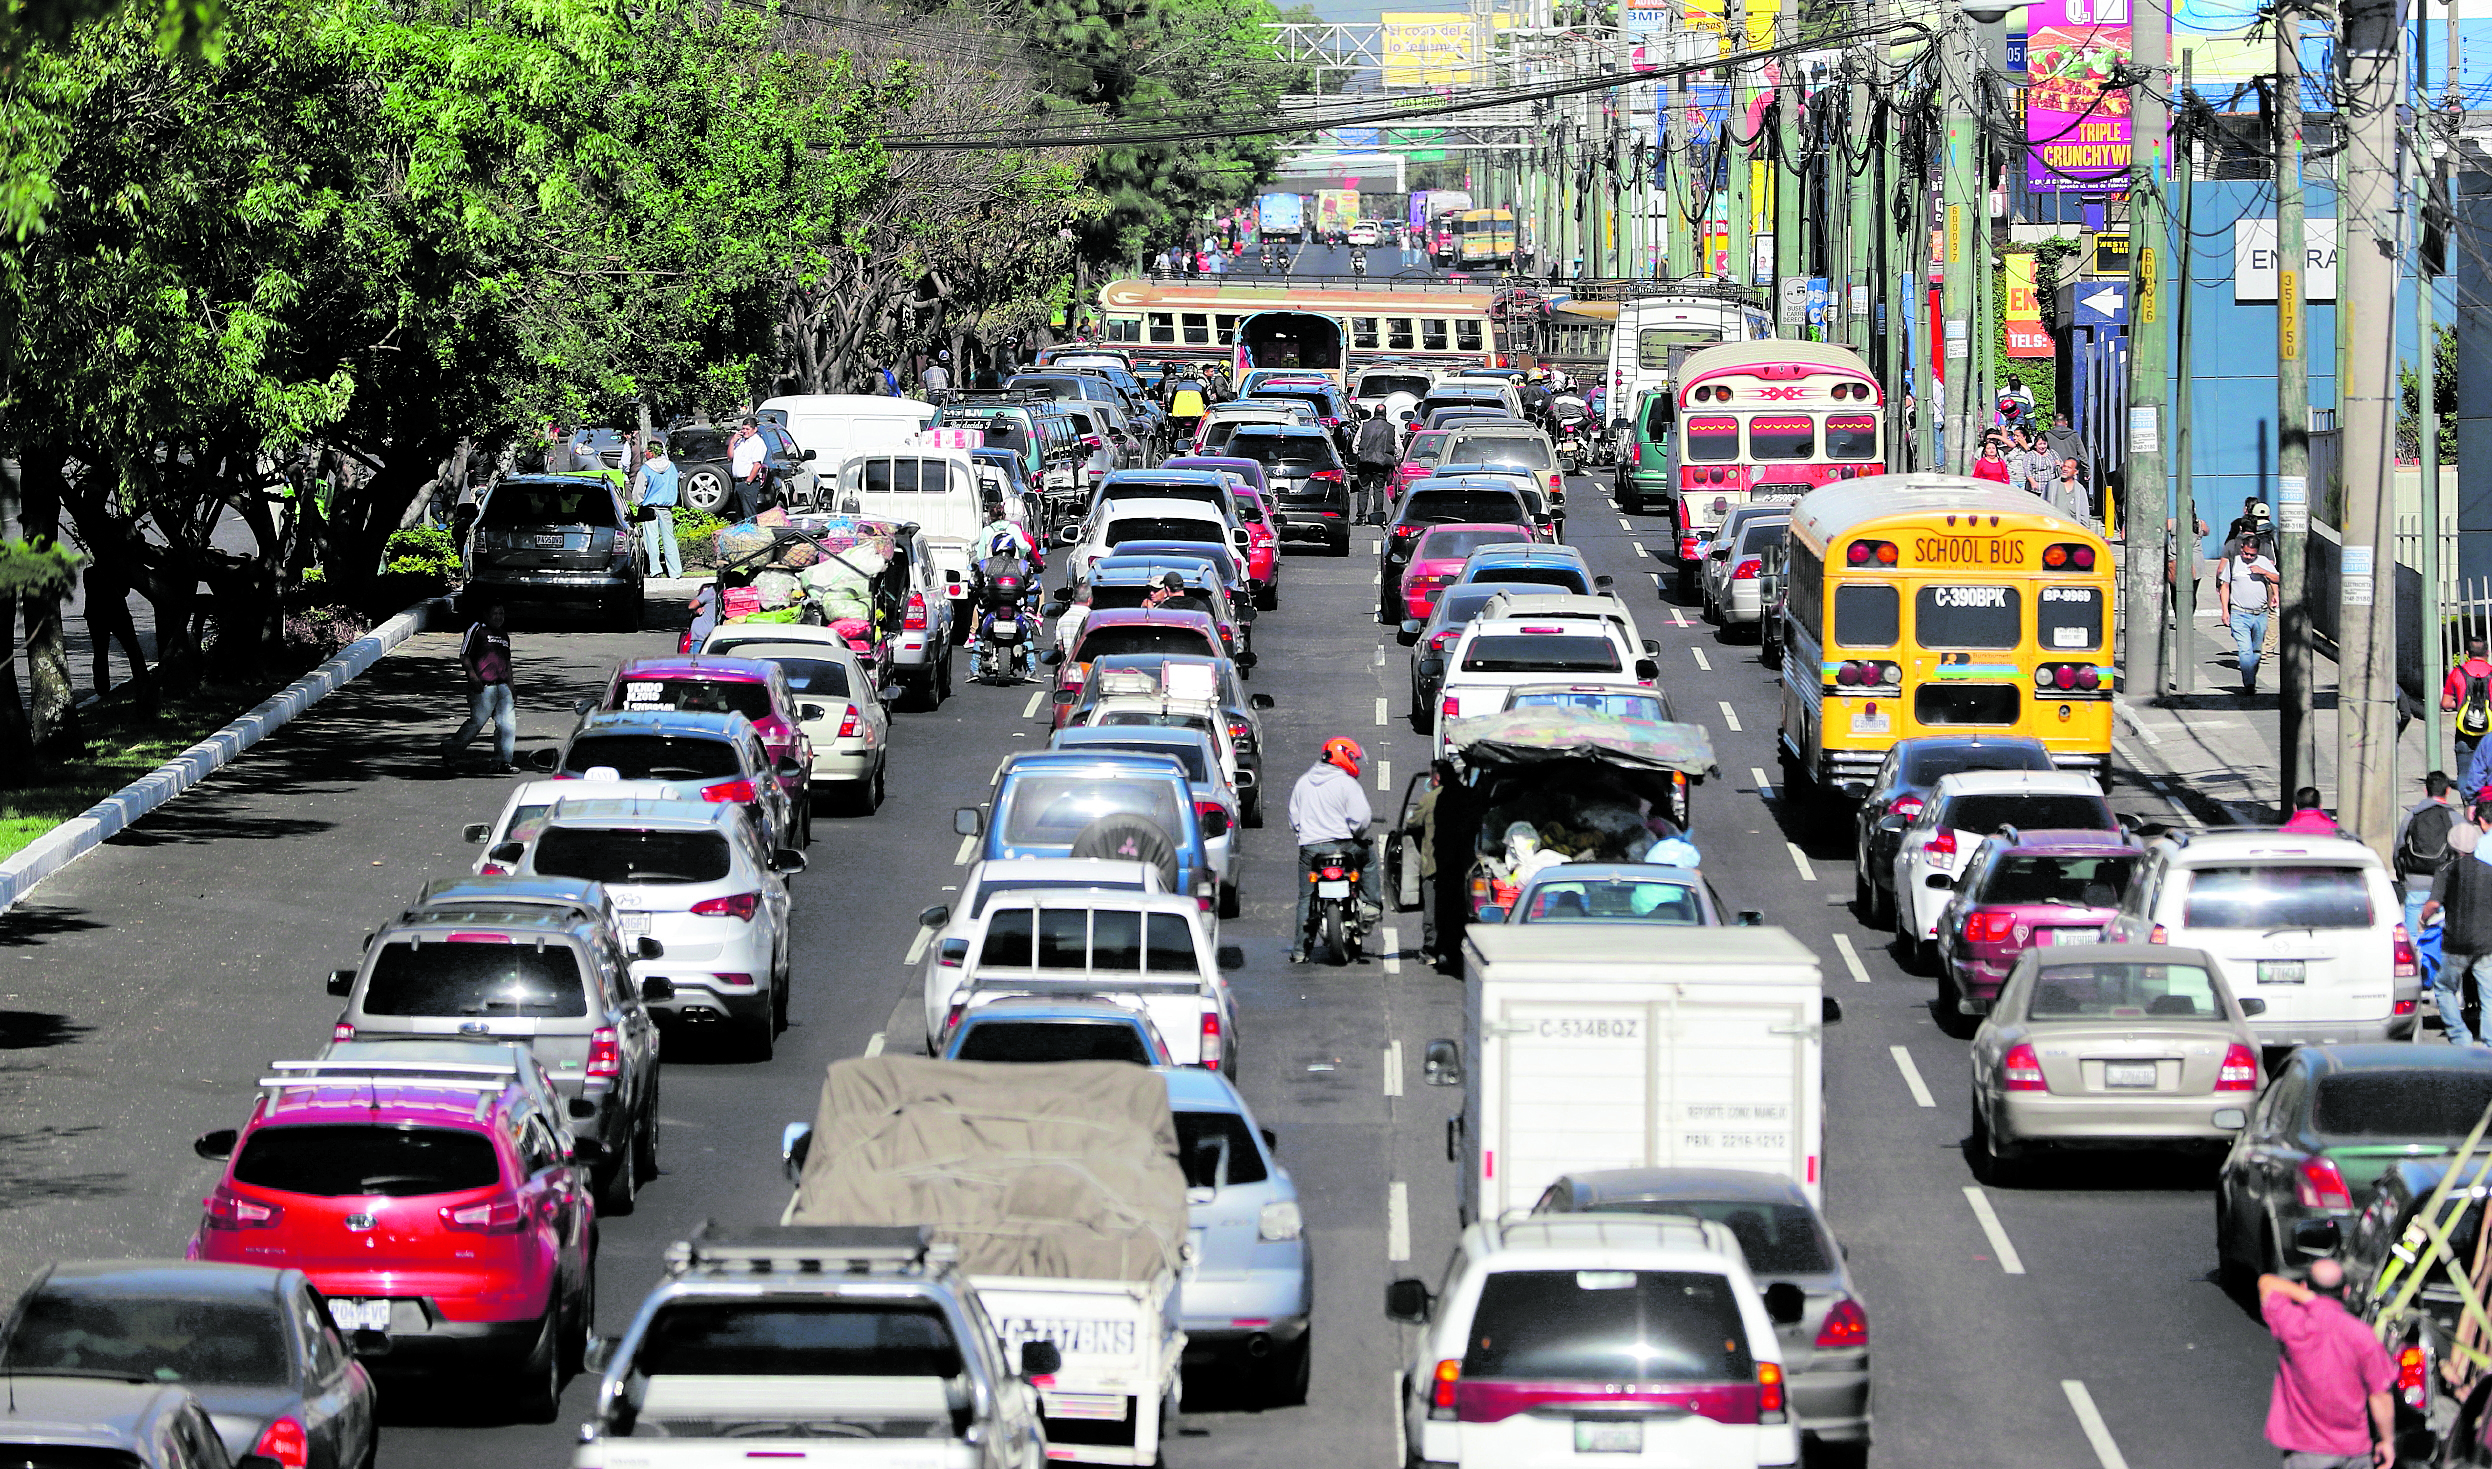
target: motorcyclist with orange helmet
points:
(1327, 806)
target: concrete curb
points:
(83, 833)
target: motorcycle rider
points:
(1327, 806)
(1358, 260)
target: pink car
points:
(1419, 458)
(1254, 509)
(2050, 889)
(1439, 557)
(756, 689)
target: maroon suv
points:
(2029, 889)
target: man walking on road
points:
(2468, 694)
(1373, 449)
(2332, 1407)
(2243, 590)
(486, 655)
(2422, 845)
(2462, 890)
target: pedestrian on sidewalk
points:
(2332, 1407)
(2308, 816)
(2244, 590)
(2422, 844)
(747, 456)
(655, 485)
(2064, 442)
(486, 655)
(2068, 492)
(2467, 693)
(2461, 892)
(1991, 463)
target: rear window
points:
(889, 476)
(604, 854)
(1053, 1040)
(1614, 902)
(1215, 1150)
(1608, 1326)
(1566, 577)
(2422, 1104)
(346, 1160)
(1529, 653)
(697, 443)
(2069, 618)
(475, 979)
(1079, 938)
(1788, 436)
(1924, 767)
(1710, 439)
(1500, 449)
(2278, 897)
(1598, 702)
(1162, 528)
(1775, 1239)
(166, 1339)
(992, 891)
(1385, 384)
(1052, 810)
(1986, 814)
(747, 1338)
(1442, 507)
(589, 503)
(653, 757)
(1851, 437)
(1447, 544)
(2123, 991)
(1867, 615)
(1297, 451)
(1189, 756)
(694, 696)
(1102, 642)
(2075, 882)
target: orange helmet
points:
(1343, 752)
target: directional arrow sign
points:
(2103, 303)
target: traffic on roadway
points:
(1269, 888)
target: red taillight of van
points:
(914, 619)
(605, 1053)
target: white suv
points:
(1496, 653)
(2309, 924)
(1936, 849)
(1639, 1338)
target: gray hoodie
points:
(1326, 804)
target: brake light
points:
(2020, 1070)
(1769, 1393)
(1691, 547)
(1749, 569)
(2155, 935)
(498, 1217)
(2318, 1185)
(2239, 1073)
(1846, 1325)
(1870, 553)
(2410, 1377)
(605, 1054)
(1326, 476)
(734, 905)
(1206, 808)
(1405, 532)
(1941, 845)
(1451, 708)
(914, 620)
(1635, 452)
(1437, 644)
(341, 1032)
(285, 1442)
(1448, 1373)
(1211, 1040)
(2401, 954)
(737, 791)
(1989, 928)
(231, 1211)
(951, 1017)
(1906, 807)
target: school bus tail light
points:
(2070, 557)
(1871, 553)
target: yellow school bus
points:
(1933, 604)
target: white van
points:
(1654, 332)
(839, 426)
(934, 489)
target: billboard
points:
(2076, 128)
(2026, 336)
(1336, 209)
(1426, 48)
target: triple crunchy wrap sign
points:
(2076, 126)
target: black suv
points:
(1310, 484)
(561, 540)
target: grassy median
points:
(120, 744)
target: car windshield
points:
(2119, 990)
(1188, 755)
(1776, 1239)
(1539, 653)
(1426, 446)
(653, 757)
(587, 502)
(2278, 898)
(1462, 603)
(81, 1328)
(1986, 814)
(608, 854)
(1446, 545)
(1385, 384)
(1599, 702)
(1100, 642)
(1440, 507)
(1053, 1040)
(1601, 900)
(465, 978)
(1052, 810)
(348, 1160)
(1608, 1326)
(1298, 452)
(2068, 882)
(764, 1339)
(2421, 1104)
(1924, 767)
(1160, 528)
(1216, 1151)
(692, 696)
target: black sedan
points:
(1912, 770)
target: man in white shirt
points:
(746, 451)
(2244, 590)
(938, 376)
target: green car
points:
(1644, 462)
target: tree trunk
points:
(53, 711)
(17, 739)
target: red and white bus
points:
(1765, 420)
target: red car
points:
(1131, 630)
(1418, 459)
(2022, 889)
(756, 689)
(443, 1213)
(1439, 557)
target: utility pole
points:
(2366, 274)
(2296, 734)
(2148, 493)
(1789, 97)
(1860, 222)
(2185, 539)
(1684, 230)
(2426, 377)
(1962, 223)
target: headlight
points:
(1280, 1221)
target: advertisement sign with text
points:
(2076, 127)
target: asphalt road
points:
(2074, 1322)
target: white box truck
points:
(1059, 1187)
(1613, 1046)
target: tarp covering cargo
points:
(1063, 1171)
(1543, 735)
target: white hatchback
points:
(2308, 923)
(1496, 653)
(1965, 807)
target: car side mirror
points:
(1071, 535)
(1058, 607)
(1442, 1065)
(581, 1108)
(1259, 702)
(217, 1144)
(1407, 1300)
(597, 1355)
(588, 1152)
(790, 765)
(341, 982)
(965, 820)
(1493, 913)
(1646, 668)
(1053, 658)
(2317, 1236)
(1829, 1010)
(805, 457)
(1248, 660)
(657, 987)
(508, 853)
(1749, 918)
(1785, 1303)
(1271, 1139)
(648, 948)
(935, 917)
(582, 706)
(1041, 1359)
(1063, 698)
(1603, 584)
(795, 1146)
(1938, 880)
(475, 832)
(786, 860)
(1237, 537)
(548, 760)
(1651, 648)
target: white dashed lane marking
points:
(1038, 696)
(1380, 711)
(2090, 1419)
(1384, 775)
(1912, 1078)
(1765, 788)
(874, 1047)
(917, 945)
(1397, 1221)
(1851, 959)
(1707, 665)
(1799, 859)
(2009, 1260)
(1674, 612)
(1393, 1069)
(1730, 716)
(968, 844)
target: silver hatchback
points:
(1251, 1287)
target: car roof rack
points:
(461, 1075)
(809, 1249)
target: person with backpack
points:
(2468, 694)
(2463, 889)
(2422, 844)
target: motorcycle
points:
(1007, 621)
(1572, 432)
(1335, 918)
(1358, 262)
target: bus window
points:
(1124, 329)
(1363, 333)
(1712, 440)
(1866, 616)
(1224, 329)
(1197, 329)
(1432, 334)
(1398, 336)
(1793, 437)
(2068, 618)
(1941, 704)
(1851, 437)
(1468, 337)
(1653, 344)
(1968, 617)
(1163, 326)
